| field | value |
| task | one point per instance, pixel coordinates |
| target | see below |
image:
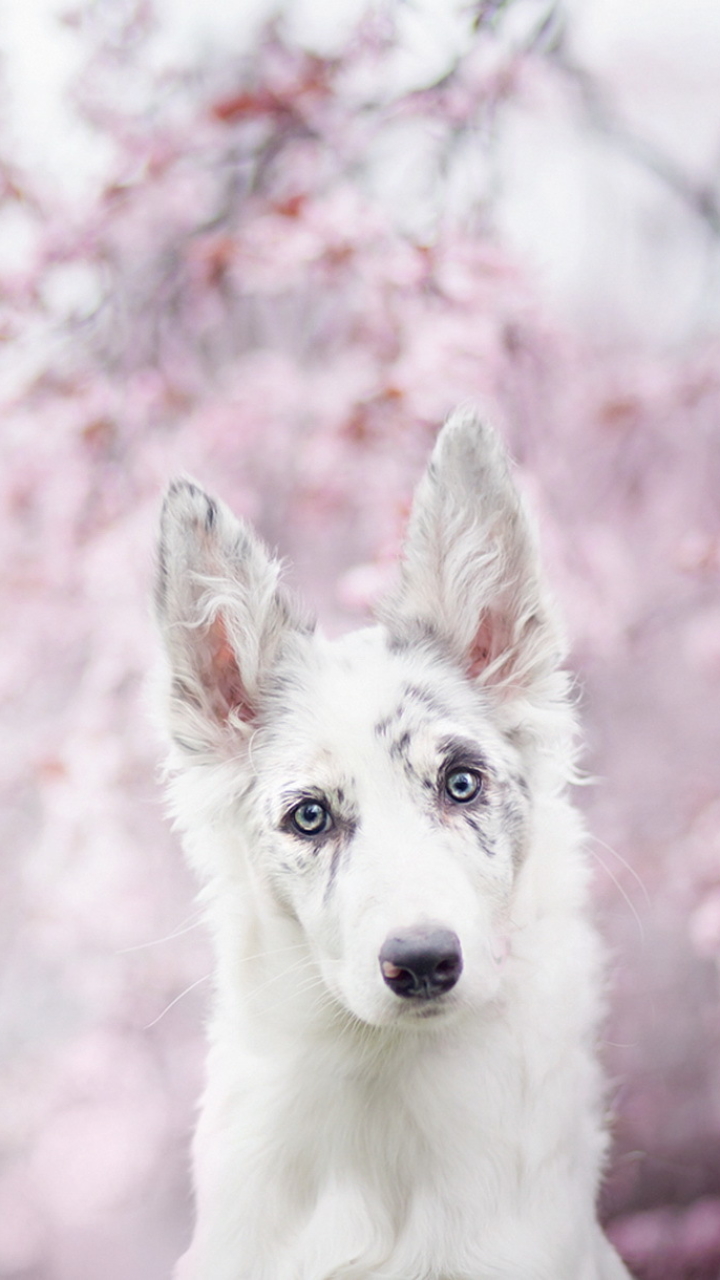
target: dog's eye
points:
(463, 785)
(311, 818)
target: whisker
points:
(206, 976)
(186, 992)
(314, 982)
(273, 951)
(325, 1002)
(608, 870)
(179, 933)
(628, 866)
(282, 973)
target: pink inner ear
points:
(227, 691)
(493, 637)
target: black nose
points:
(421, 962)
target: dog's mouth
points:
(437, 1008)
(425, 1009)
(405, 1014)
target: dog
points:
(402, 1081)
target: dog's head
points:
(374, 793)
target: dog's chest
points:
(422, 1168)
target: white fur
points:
(348, 1133)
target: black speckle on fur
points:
(292, 616)
(182, 692)
(480, 835)
(332, 874)
(184, 745)
(385, 726)
(414, 633)
(346, 829)
(399, 751)
(426, 698)
(399, 748)
(399, 643)
(182, 486)
(210, 515)
(342, 838)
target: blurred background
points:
(272, 245)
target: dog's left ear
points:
(470, 576)
(223, 616)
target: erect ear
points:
(470, 574)
(222, 616)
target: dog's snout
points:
(422, 962)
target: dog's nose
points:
(422, 962)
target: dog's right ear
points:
(222, 615)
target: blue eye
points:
(463, 785)
(311, 818)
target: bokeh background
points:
(272, 246)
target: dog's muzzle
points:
(421, 963)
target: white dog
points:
(402, 1081)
